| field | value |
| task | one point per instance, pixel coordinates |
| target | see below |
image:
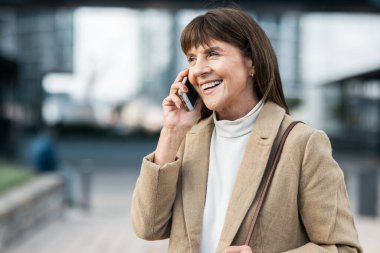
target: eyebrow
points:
(208, 50)
(215, 48)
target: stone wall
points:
(26, 207)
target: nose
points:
(200, 69)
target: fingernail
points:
(184, 88)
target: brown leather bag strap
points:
(269, 179)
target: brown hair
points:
(236, 27)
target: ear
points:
(250, 66)
(252, 71)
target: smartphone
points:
(189, 98)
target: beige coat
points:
(306, 209)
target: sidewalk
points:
(107, 229)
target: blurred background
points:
(81, 85)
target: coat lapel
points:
(251, 170)
(195, 165)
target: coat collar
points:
(195, 171)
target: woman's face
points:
(222, 77)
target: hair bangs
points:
(197, 33)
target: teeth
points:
(210, 85)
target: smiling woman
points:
(241, 32)
(219, 73)
(201, 185)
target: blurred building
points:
(64, 41)
(111, 59)
(340, 58)
(38, 41)
(8, 108)
(353, 116)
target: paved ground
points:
(106, 227)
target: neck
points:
(237, 112)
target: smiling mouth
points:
(210, 85)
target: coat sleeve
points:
(323, 201)
(153, 198)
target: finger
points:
(238, 249)
(175, 87)
(246, 249)
(232, 249)
(178, 82)
(183, 86)
(167, 101)
(176, 100)
(181, 75)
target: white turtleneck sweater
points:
(228, 143)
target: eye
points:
(212, 53)
(191, 59)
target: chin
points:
(210, 106)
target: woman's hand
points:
(238, 249)
(175, 114)
(177, 121)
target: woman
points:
(199, 188)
